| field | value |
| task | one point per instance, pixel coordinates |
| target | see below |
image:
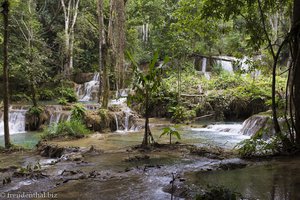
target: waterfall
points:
(87, 91)
(204, 61)
(16, 120)
(57, 114)
(127, 115)
(254, 124)
(117, 123)
(124, 113)
(226, 65)
(229, 128)
(224, 135)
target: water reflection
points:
(271, 180)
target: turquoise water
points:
(28, 139)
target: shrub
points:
(67, 129)
(256, 146)
(170, 131)
(35, 111)
(78, 111)
(20, 97)
(46, 95)
(62, 101)
(67, 93)
(181, 114)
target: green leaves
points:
(78, 111)
(170, 131)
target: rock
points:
(81, 78)
(50, 151)
(258, 124)
(6, 181)
(72, 157)
(232, 164)
(35, 121)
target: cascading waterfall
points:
(204, 65)
(127, 115)
(16, 120)
(226, 63)
(204, 61)
(122, 127)
(117, 122)
(85, 91)
(57, 114)
(226, 135)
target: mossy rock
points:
(100, 120)
(35, 118)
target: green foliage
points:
(67, 93)
(171, 131)
(35, 110)
(256, 146)
(78, 111)
(66, 129)
(181, 114)
(46, 95)
(62, 101)
(20, 98)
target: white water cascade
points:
(16, 120)
(125, 113)
(226, 63)
(88, 90)
(57, 114)
(204, 66)
(223, 135)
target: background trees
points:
(54, 39)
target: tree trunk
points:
(70, 9)
(105, 77)
(5, 11)
(101, 42)
(275, 60)
(145, 139)
(120, 42)
(296, 59)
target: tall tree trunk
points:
(146, 135)
(120, 42)
(296, 59)
(116, 37)
(101, 43)
(70, 9)
(275, 60)
(5, 11)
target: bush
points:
(35, 111)
(256, 146)
(46, 95)
(78, 111)
(181, 114)
(67, 93)
(62, 101)
(20, 97)
(67, 129)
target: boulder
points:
(258, 124)
(81, 78)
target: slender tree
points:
(296, 69)
(5, 12)
(70, 9)
(120, 42)
(101, 43)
